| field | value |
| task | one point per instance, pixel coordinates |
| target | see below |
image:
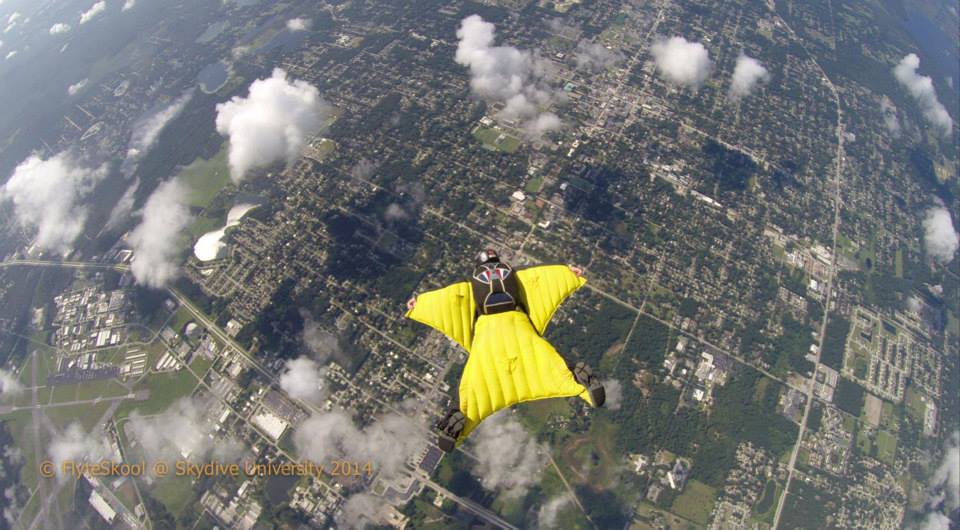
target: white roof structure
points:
(274, 426)
(102, 507)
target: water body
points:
(286, 39)
(212, 31)
(938, 52)
(210, 246)
(213, 77)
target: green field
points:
(695, 503)
(766, 507)
(915, 404)
(496, 139)
(165, 388)
(534, 184)
(174, 492)
(206, 177)
(886, 446)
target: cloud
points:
(939, 236)
(128, 5)
(395, 212)
(747, 74)
(304, 379)
(322, 344)
(681, 62)
(299, 24)
(45, 194)
(921, 88)
(123, 207)
(59, 28)
(14, 17)
(183, 430)
(272, 123)
(154, 240)
(94, 11)
(364, 169)
(73, 89)
(147, 129)
(890, 119)
(11, 55)
(507, 75)
(360, 510)
(9, 384)
(547, 516)
(943, 493)
(614, 394)
(595, 57)
(388, 442)
(76, 445)
(508, 457)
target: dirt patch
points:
(874, 409)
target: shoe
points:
(449, 429)
(583, 374)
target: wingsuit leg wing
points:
(510, 363)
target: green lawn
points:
(695, 503)
(534, 184)
(915, 404)
(206, 177)
(496, 139)
(898, 263)
(886, 446)
(174, 492)
(767, 505)
(165, 388)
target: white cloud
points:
(614, 394)
(11, 55)
(939, 236)
(747, 74)
(363, 169)
(921, 88)
(123, 207)
(304, 379)
(1, 44)
(504, 74)
(9, 384)
(94, 11)
(596, 57)
(73, 89)
(76, 445)
(508, 457)
(395, 212)
(322, 344)
(14, 17)
(272, 123)
(547, 516)
(59, 28)
(155, 240)
(388, 442)
(183, 430)
(148, 129)
(681, 62)
(299, 24)
(45, 194)
(890, 119)
(943, 493)
(360, 510)
(128, 5)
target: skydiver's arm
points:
(544, 287)
(449, 310)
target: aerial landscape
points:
(219, 218)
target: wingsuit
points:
(499, 316)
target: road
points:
(470, 505)
(837, 200)
(119, 267)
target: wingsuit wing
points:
(449, 310)
(511, 363)
(544, 288)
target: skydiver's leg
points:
(452, 424)
(585, 376)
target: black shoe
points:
(449, 429)
(583, 374)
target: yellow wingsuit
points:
(509, 361)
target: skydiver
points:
(499, 317)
